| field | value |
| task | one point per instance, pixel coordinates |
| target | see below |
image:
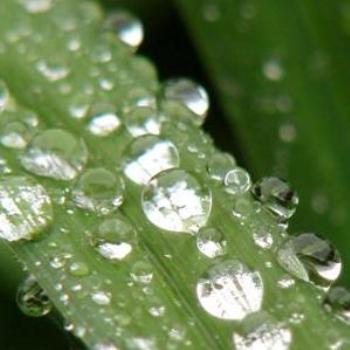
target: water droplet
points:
(142, 121)
(310, 258)
(128, 28)
(142, 272)
(32, 299)
(230, 290)
(26, 209)
(53, 71)
(277, 196)
(176, 201)
(101, 297)
(99, 191)
(4, 96)
(15, 135)
(37, 6)
(79, 269)
(147, 156)
(273, 70)
(261, 332)
(219, 165)
(114, 239)
(104, 346)
(211, 242)
(237, 181)
(157, 309)
(338, 301)
(103, 124)
(57, 154)
(263, 239)
(286, 282)
(287, 132)
(190, 95)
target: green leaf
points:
(56, 58)
(281, 72)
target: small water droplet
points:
(99, 190)
(37, 6)
(147, 156)
(79, 269)
(338, 301)
(26, 209)
(230, 290)
(190, 95)
(15, 134)
(104, 123)
(237, 181)
(211, 242)
(286, 282)
(277, 196)
(32, 299)
(142, 272)
(101, 297)
(287, 132)
(53, 71)
(56, 154)
(114, 239)
(176, 201)
(4, 96)
(310, 258)
(219, 165)
(142, 121)
(261, 332)
(128, 28)
(273, 70)
(263, 238)
(157, 309)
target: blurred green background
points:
(277, 74)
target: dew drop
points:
(142, 121)
(32, 299)
(101, 297)
(142, 272)
(338, 301)
(147, 156)
(79, 269)
(26, 209)
(56, 154)
(310, 258)
(52, 71)
(230, 290)
(261, 332)
(263, 239)
(99, 190)
(176, 201)
(15, 135)
(237, 181)
(37, 6)
(103, 124)
(211, 242)
(4, 96)
(127, 27)
(219, 165)
(114, 239)
(273, 70)
(277, 196)
(190, 95)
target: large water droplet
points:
(190, 95)
(219, 165)
(114, 239)
(128, 28)
(338, 301)
(277, 196)
(147, 156)
(57, 154)
(237, 181)
(32, 299)
(176, 201)
(310, 258)
(99, 191)
(142, 121)
(260, 332)
(26, 209)
(211, 242)
(230, 290)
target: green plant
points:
(128, 259)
